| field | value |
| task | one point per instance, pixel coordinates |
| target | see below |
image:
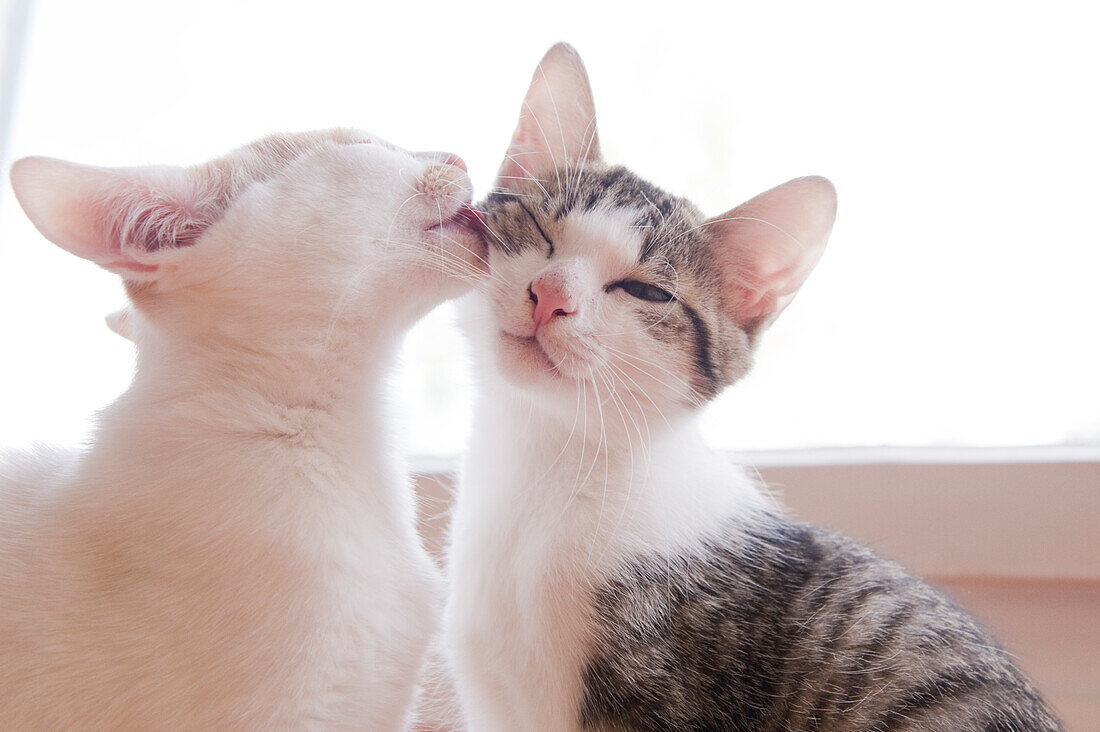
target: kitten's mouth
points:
(473, 216)
(530, 351)
(467, 217)
(463, 235)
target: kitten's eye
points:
(643, 291)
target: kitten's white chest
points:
(534, 538)
(518, 614)
(531, 541)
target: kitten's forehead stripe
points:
(542, 233)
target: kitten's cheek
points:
(475, 255)
(478, 253)
(464, 252)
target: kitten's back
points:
(777, 625)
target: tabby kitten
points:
(610, 572)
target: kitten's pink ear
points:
(119, 218)
(557, 124)
(768, 246)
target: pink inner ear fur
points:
(557, 124)
(116, 217)
(769, 245)
(162, 209)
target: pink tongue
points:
(472, 216)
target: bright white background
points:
(957, 303)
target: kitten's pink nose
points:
(455, 161)
(551, 300)
(446, 158)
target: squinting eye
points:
(643, 291)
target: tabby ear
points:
(557, 124)
(767, 247)
(123, 219)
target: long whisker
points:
(590, 136)
(624, 500)
(635, 360)
(780, 229)
(557, 118)
(622, 377)
(578, 483)
(599, 450)
(530, 176)
(568, 439)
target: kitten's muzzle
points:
(444, 158)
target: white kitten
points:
(237, 548)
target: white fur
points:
(237, 549)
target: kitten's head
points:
(300, 230)
(602, 283)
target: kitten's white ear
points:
(120, 218)
(557, 124)
(768, 246)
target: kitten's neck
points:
(632, 465)
(325, 384)
(597, 422)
